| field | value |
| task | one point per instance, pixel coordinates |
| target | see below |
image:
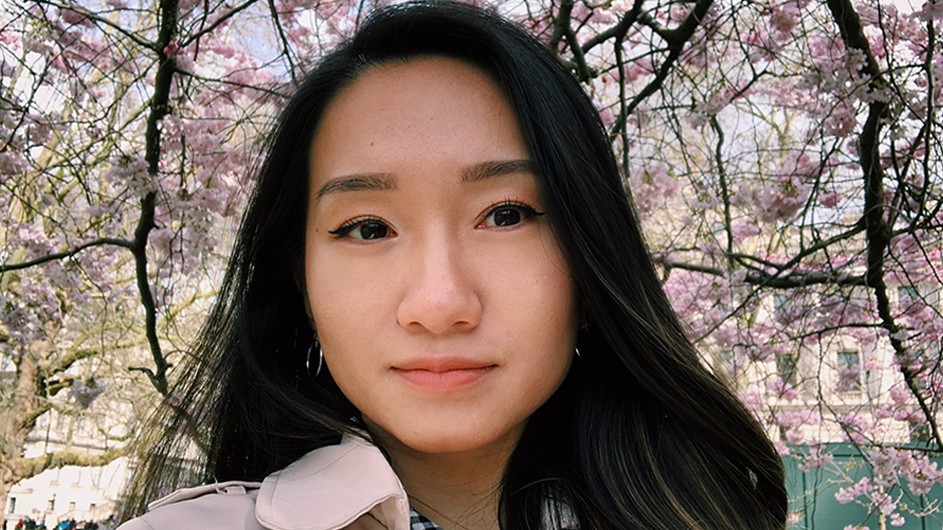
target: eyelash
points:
(527, 211)
(345, 229)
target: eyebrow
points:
(387, 182)
(485, 170)
(365, 182)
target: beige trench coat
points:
(348, 486)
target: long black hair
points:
(639, 435)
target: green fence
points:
(812, 496)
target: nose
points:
(441, 295)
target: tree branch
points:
(765, 279)
(217, 22)
(30, 467)
(877, 229)
(561, 23)
(105, 22)
(286, 49)
(158, 109)
(234, 84)
(73, 356)
(619, 30)
(722, 180)
(676, 39)
(124, 243)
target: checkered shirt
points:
(418, 522)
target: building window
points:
(848, 367)
(911, 298)
(787, 368)
(12, 505)
(779, 303)
(51, 504)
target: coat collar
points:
(331, 487)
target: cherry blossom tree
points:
(798, 145)
(125, 134)
(784, 155)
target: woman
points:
(440, 303)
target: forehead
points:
(427, 106)
(424, 81)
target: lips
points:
(443, 374)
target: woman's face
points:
(442, 302)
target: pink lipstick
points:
(444, 374)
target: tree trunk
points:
(20, 414)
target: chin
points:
(445, 444)
(434, 441)
(448, 435)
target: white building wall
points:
(80, 493)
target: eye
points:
(362, 229)
(507, 214)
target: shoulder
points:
(347, 486)
(226, 505)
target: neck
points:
(457, 490)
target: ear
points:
(298, 271)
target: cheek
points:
(554, 293)
(340, 289)
(344, 304)
(544, 315)
(350, 307)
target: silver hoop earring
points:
(577, 351)
(320, 359)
